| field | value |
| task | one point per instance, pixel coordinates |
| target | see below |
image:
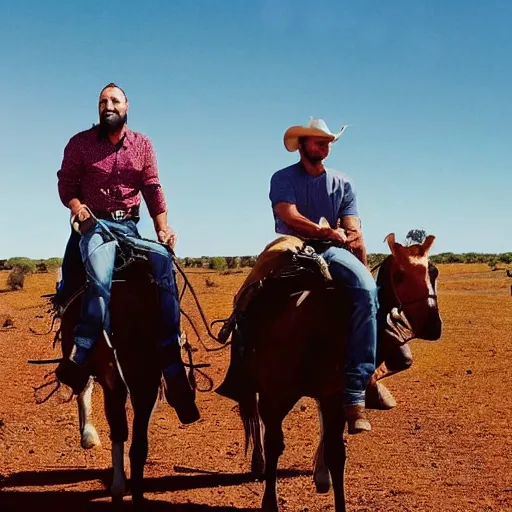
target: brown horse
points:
(130, 367)
(294, 333)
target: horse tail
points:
(248, 408)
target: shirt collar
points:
(128, 136)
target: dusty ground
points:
(446, 447)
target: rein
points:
(127, 258)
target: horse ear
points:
(323, 222)
(390, 239)
(427, 244)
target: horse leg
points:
(115, 411)
(88, 435)
(321, 475)
(257, 459)
(272, 417)
(396, 359)
(143, 404)
(334, 448)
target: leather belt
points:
(131, 214)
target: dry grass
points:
(446, 447)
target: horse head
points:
(408, 291)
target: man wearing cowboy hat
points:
(301, 195)
(311, 202)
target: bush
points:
(493, 264)
(16, 279)
(218, 263)
(187, 262)
(375, 259)
(53, 264)
(506, 258)
(247, 261)
(231, 271)
(26, 265)
(210, 283)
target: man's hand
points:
(167, 237)
(337, 235)
(79, 210)
(355, 239)
(355, 244)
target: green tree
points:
(415, 236)
(26, 265)
(218, 263)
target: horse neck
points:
(385, 287)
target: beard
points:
(112, 122)
(313, 159)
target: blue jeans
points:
(357, 280)
(98, 250)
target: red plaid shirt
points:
(108, 177)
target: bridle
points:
(397, 323)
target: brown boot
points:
(235, 381)
(180, 395)
(74, 375)
(379, 397)
(357, 419)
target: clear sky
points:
(425, 85)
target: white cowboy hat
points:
(316, 128)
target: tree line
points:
(30, 266)
(20, 267)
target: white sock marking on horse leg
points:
(88, 436)
(320, 472)
(118, 488)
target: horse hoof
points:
(89, 438)
(139, 503)
(118, 491)
(322, 487)
(117, 502)
(269, 504)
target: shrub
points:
(218, 263)
(16, 279)
(375, 259)
(231, 271)
(26, 265)
(210, 283)
(53, 264)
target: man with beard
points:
(104, 171)
(301, 195)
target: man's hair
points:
(114, 85)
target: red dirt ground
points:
(446, 447)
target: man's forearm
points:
(160, 222)
(306, 228)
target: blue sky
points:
(425, 85)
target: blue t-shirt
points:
(331, 195)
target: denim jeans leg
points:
(163, 273)
(346, 269)
(72, 269)
(98, 255)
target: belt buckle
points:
(118, 214)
